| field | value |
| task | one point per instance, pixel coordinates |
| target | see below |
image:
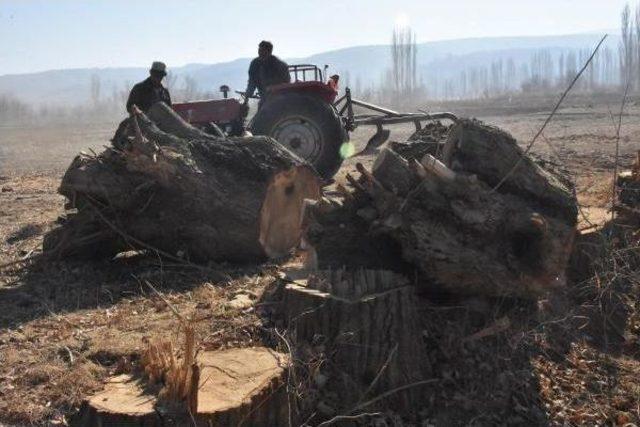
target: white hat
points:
(158, 66)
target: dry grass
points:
(179, 380)
(58, 348)
(590, 357)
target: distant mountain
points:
(361, 65)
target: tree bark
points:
(177, 189)
(491, 154)
(366, 319)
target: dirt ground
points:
(66, 326)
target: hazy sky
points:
(49, 34)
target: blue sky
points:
(38, 35)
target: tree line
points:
(101, 105)
(542, 71)
(629, 50)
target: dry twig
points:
(617, 154)
(377, 399)
(217, 275)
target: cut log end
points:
(282, 211)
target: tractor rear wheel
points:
(306, 125)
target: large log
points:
(456, 228)
(367, 321)
(172, 187)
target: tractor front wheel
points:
(306, 125)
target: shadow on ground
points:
(44, 287)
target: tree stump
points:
(237, 387)
(174, 188)
(367, 321)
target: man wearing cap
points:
(333, 82)
(148, 92)
(265, 70)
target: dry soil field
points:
(65, 326)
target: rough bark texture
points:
(455, 228)
(367, 321)
(182, 191)
(237, 387)
(490, 154)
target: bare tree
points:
(637, 47)
(190, 88)
(414, 61)
(95, 89)
(404, 62)
(463, 83)
(124, 92)
(170, 80)
(512, 75)
(560, 74)
(345, 77)
(571, 67)
(12, 109)
(626, 45)
(607, 74)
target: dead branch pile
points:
(430, 139)
(453, 219)
(169, 187)
(431, 132)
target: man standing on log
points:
(151, 90)
(265, 70)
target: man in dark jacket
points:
(265, 70)
(151, 90)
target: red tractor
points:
(304, 116)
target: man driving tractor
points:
(265, 70)
(299, 109)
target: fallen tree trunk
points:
(456, 228)
(174, 188)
